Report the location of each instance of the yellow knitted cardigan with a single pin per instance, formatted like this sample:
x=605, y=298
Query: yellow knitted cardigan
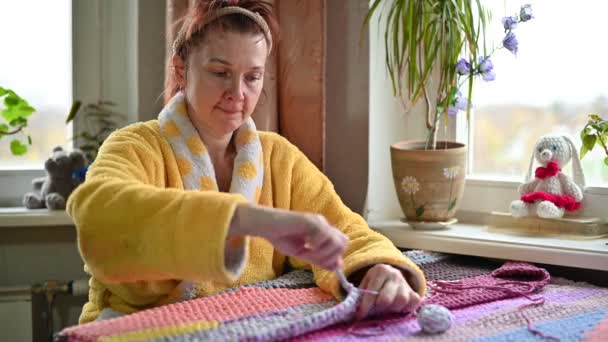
x=140, y=233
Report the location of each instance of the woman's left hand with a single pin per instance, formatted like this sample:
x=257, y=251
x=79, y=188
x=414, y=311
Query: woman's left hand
x=394, y=293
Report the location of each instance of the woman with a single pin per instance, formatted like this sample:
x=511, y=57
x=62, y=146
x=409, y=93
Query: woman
x=199, y=201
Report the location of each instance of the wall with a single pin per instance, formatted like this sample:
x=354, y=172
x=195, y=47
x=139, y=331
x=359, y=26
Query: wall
x=347, y=100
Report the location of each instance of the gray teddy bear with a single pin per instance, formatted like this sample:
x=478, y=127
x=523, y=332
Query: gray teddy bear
x=53, y=190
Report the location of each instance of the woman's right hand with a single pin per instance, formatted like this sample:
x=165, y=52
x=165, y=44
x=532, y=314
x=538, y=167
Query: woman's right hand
x=308, y=237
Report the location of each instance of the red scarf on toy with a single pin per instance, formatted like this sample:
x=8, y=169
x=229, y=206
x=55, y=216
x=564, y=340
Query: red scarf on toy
x=551, y=170
x=561, y=201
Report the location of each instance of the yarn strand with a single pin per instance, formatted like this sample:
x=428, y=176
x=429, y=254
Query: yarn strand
x=531, y=328
x=348, y=286
x=457, y=287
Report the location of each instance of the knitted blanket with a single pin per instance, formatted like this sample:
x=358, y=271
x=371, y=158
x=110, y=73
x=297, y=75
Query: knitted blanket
x=291, y=307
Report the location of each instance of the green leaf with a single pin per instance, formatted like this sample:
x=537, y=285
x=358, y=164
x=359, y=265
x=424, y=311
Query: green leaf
x=586, y=131
x=452, y=95
x=89, y=147
x=11, y=100
x=583, y=152
x=29, y=140
x=421, y=37
x=99, y=115
x=3, y=91
x=87, y=135
x=17, y=148
x=594, y=118
x=452, y=205
x=73, y=111
x=3, y=128
x=371, y=12
x=597, y=127
x=20, y=111
x=606, y=161
x=18, y=122
x=420, y=211
x=589, y=141
x=107, y=123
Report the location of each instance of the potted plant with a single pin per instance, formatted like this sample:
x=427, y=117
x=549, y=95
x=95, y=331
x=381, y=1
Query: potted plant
x=595, y=133
x=100, y=119
x=16, y=113
x=435, y=49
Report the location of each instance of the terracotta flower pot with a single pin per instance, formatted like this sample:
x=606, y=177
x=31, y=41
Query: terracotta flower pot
x=429, y=183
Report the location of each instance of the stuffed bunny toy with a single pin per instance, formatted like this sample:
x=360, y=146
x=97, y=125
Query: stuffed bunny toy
x=551, y=193
x=53, y=190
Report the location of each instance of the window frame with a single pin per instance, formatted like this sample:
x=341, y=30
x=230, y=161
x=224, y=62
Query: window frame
x=505, y=191
x=17, y=181
x=388, y=124
x=118, y=54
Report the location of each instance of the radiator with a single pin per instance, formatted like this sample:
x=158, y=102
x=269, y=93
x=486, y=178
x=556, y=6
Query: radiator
x=26, y=312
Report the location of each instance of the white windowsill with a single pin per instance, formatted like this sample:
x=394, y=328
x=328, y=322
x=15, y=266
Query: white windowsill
x=477, y=240
x=22, y=217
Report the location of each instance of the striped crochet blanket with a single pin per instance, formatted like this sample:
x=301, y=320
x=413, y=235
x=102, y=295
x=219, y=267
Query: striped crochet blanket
x=291, y=307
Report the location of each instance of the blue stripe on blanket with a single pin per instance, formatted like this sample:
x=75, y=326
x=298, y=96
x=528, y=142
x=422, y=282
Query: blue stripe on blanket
x=566, y=329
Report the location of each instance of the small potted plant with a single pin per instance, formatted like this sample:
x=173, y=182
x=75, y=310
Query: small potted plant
x=16, y=113
x=595, y=133
x=435, y=50
x=100, y=119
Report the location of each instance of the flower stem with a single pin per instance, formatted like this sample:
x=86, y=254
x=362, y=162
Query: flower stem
x=493, y=50
x=599, y=137
x=431, y=140
x=464, y=80
x=19, y=129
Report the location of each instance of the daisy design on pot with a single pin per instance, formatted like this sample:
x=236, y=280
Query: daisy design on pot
x=451, y=173
x=411, y=186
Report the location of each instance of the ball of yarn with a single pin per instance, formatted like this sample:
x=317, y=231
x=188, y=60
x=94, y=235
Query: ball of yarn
x=434, y=319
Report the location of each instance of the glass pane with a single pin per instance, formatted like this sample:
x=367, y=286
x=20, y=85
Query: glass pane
x=36, y=62
x=556, y=80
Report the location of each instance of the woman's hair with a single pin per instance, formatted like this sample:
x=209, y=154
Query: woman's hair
x=197, y=22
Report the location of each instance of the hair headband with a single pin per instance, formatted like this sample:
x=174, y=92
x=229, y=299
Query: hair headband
x=180, y=39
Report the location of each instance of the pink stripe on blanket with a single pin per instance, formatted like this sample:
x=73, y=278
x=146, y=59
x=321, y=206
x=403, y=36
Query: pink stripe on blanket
x=509, y=281
x=405, y=326
x=215, y=308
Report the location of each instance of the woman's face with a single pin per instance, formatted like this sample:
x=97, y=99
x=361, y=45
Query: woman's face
x=223, y=80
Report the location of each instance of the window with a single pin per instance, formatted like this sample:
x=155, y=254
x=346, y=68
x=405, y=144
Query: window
x=36, y=62
x=556, y=80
